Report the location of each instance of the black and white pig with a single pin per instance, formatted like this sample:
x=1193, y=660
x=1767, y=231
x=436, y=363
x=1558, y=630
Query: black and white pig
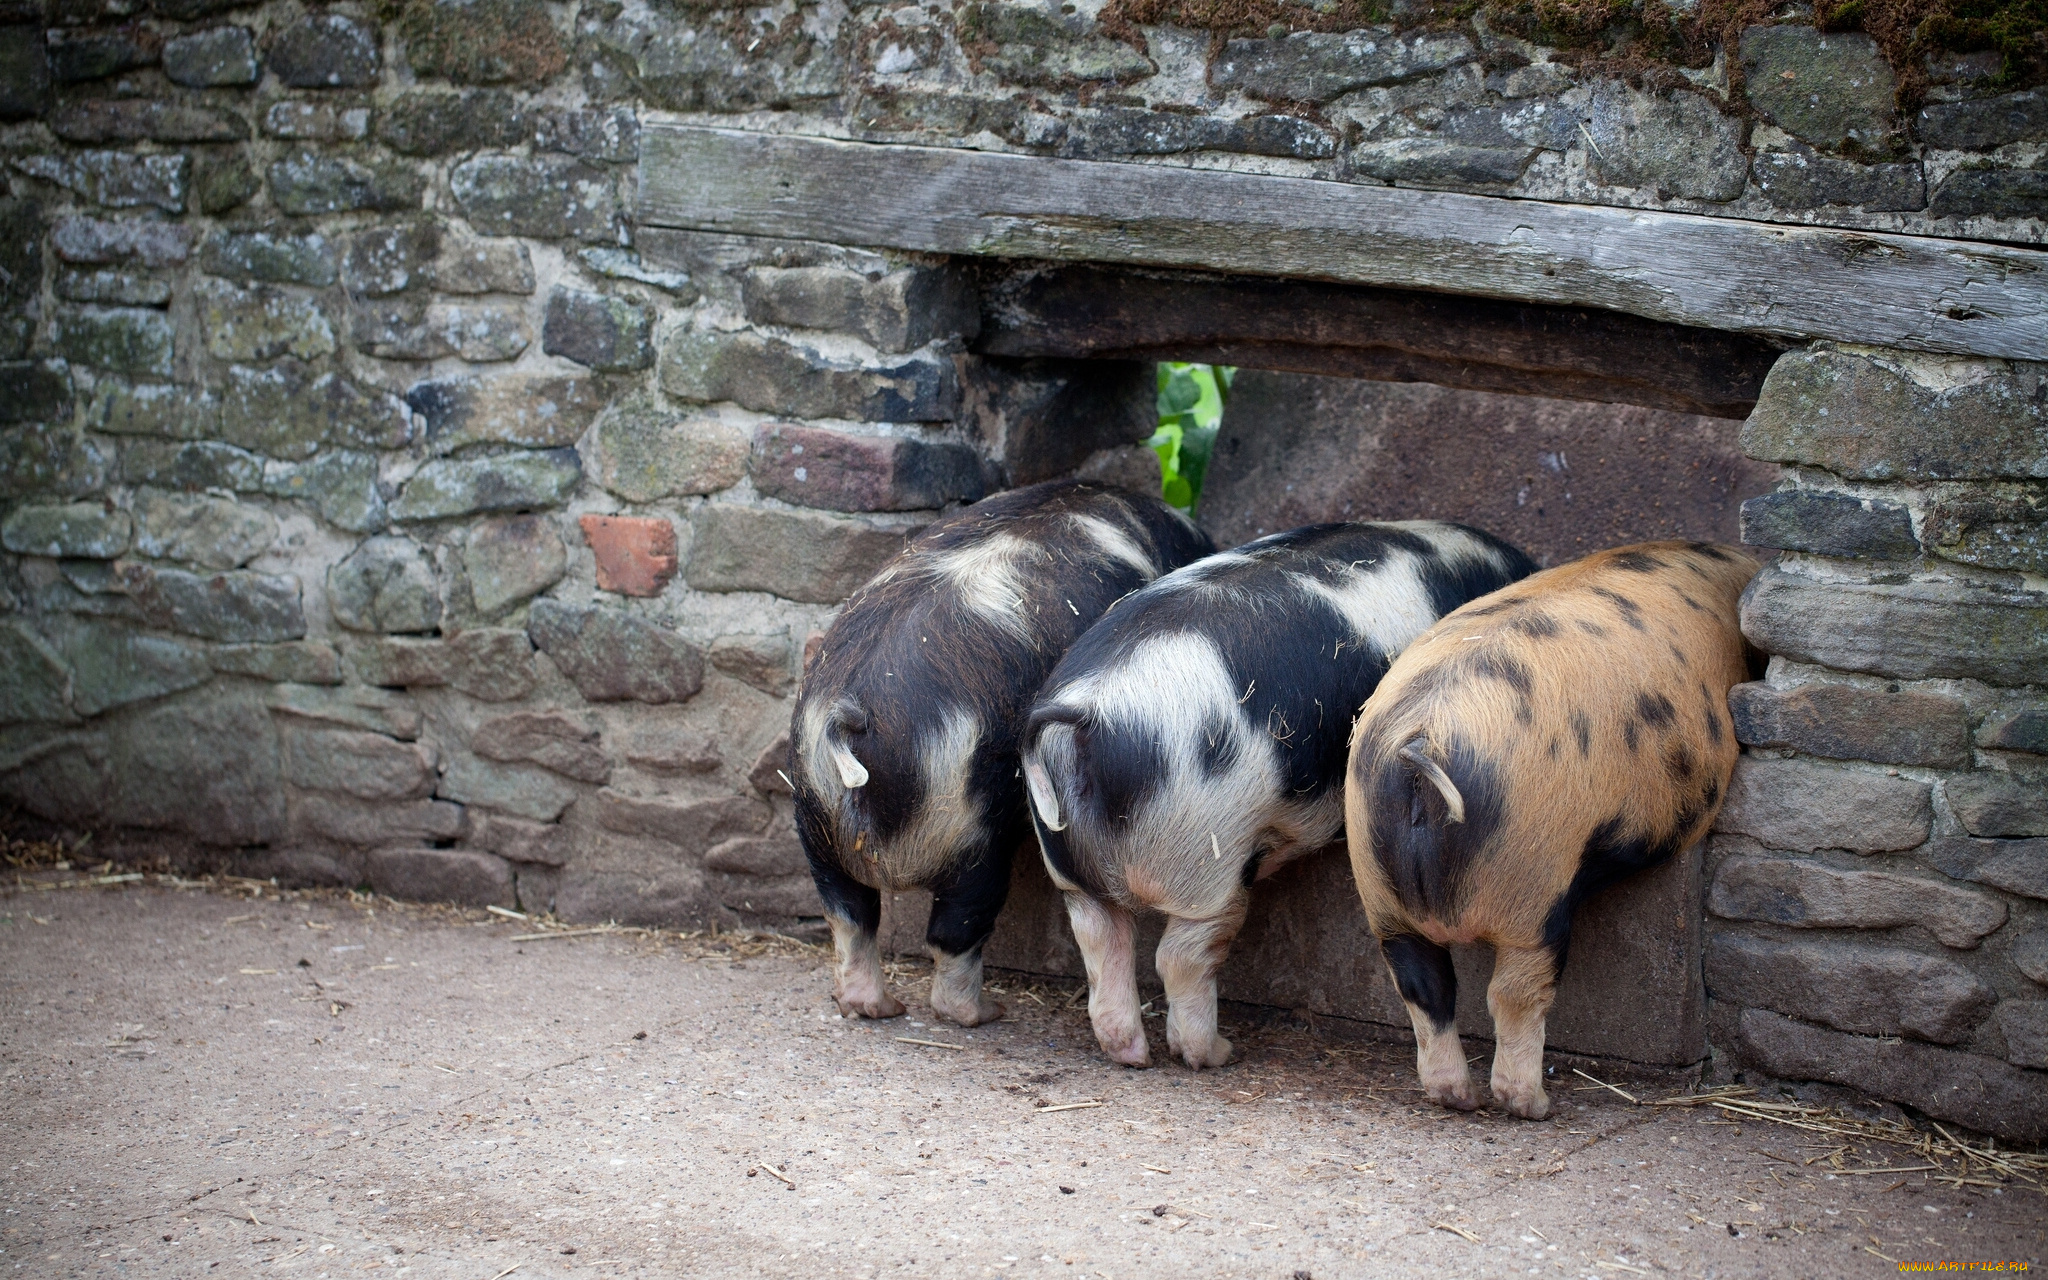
x=1194, y=740
x=903, y=744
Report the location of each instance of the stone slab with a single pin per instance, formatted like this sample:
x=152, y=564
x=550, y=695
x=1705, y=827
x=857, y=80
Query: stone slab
x=1830, y=524
x=1557, y=478
x=1889, y=415
x=841, y=471
x=1850, y=722
x=613, y=656
x=441, y=875
x=380, y=711
x=645, y=451
x=510, y=558
x=1907, y=630
x=516, y=789
x=237, y=799
x=346, y=820
x=369, y=709
x=690, y=827
x=1808, y=894
x=1999, y=804
x=1797, y=804
x=2016, y=866
x=1860, y=987
x=900, y=311
x=547, y=844
x=297, y=662
x=351, y=762
x=560, y=743
x=802, y=556
x=1632, y=987
x=1983, y=1093
x=237, y=607
x=761, y=661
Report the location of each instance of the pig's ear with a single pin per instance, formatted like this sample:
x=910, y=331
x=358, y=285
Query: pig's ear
x=1044, y=800
x=1414, y=754
x=852, y=773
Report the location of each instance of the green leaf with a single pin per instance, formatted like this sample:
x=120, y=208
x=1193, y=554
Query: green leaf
x=1166, y=443
x=1181, y=393
x=1208, y=406
x=1190, y=405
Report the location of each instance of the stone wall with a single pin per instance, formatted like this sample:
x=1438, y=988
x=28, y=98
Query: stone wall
x=381, y=503
x=1878, y=885
x=378, y=507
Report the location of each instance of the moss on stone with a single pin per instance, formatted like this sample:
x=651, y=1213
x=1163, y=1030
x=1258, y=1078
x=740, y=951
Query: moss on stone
x=1644, y=40
x=481, y=41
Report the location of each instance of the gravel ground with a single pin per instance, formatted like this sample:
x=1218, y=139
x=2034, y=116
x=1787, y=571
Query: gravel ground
x=201, y=1084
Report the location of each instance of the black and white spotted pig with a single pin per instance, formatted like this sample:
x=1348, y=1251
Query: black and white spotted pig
x=1530, y=750
x=1195, y=739
x=903, y=744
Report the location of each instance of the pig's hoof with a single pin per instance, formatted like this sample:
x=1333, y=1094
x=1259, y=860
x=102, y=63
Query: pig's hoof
x=1530, y=1103
x=1132, y=1051
x=1212, y=1051
x=970, y=1015
x=1214, y=1054
x=1459, y=1096
x=883, y=1005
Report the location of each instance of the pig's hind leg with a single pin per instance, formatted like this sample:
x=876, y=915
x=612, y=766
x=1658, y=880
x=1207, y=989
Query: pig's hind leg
x=854, y=911
x=1108, y=939
x=1429, y=987
x=963, y=915
x=1524, y=984
x=1189, y=954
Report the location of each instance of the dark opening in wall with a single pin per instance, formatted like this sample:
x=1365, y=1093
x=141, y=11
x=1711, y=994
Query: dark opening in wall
x=1562, y=429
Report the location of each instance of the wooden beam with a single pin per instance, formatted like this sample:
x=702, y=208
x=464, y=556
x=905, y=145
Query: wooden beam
x=1388, y=335
x=1794, y=283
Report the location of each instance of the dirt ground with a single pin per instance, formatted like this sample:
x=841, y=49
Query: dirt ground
x=205, y=1083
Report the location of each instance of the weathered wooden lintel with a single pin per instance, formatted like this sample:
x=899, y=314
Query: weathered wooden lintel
x=1784, y=282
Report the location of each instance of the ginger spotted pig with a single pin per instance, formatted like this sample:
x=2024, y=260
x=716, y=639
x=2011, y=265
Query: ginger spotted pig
x=1528, y=751
x=1194, y=740
x=903, y=743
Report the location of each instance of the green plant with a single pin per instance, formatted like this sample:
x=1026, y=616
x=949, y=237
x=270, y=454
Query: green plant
x=1191, y=399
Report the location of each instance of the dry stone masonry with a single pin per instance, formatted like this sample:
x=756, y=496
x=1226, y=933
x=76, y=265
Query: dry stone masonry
x=412, y=475
x=1880, y=868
